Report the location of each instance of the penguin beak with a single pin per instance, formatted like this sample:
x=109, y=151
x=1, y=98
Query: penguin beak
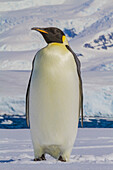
x=41, y=30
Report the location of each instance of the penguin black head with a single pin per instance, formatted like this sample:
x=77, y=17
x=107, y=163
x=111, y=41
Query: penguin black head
x=52, y=35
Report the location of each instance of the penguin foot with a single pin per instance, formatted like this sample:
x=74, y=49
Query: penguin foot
x=42, y=158
x=37, y=159
x=61, y=159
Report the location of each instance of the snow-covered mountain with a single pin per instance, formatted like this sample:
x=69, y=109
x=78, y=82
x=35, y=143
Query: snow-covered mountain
x=102, y=42
x=87, y=24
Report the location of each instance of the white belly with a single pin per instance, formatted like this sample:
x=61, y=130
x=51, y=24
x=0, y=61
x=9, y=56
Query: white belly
x=54, y=99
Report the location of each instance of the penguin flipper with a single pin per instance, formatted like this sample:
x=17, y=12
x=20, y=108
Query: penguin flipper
x=80, y=82
x=27, y=103
x=27, y=95
x=81, y=100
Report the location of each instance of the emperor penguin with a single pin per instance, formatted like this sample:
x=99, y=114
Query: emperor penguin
x=54, y=97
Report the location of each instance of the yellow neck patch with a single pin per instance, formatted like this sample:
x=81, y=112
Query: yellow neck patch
x=55, y=43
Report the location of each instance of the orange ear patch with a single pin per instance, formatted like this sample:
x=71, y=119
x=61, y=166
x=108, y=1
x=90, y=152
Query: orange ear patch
x=63, y=38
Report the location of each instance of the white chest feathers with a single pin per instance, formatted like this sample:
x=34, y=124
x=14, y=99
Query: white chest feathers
x=54, y=100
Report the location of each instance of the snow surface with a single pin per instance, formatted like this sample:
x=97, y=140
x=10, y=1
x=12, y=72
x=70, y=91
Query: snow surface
x=92, y=150
x=83, y=22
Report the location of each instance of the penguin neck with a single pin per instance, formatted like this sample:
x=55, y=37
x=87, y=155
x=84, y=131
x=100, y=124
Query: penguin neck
x=55, y=43
x=65, y=42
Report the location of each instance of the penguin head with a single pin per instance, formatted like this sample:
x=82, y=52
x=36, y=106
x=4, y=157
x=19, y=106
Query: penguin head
x=52, y=35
